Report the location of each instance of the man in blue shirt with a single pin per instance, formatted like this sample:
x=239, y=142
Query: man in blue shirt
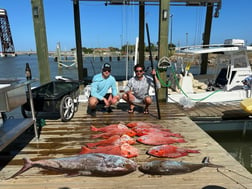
x=100, y=86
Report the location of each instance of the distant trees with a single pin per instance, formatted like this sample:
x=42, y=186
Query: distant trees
x=125, y=48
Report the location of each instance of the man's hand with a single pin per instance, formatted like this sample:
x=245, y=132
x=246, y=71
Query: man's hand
x=153, y=72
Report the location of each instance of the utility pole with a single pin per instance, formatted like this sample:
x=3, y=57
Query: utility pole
x=41, y=40
x=141, y=33
x=206, y=37
x=78, y=39
x=164, y=12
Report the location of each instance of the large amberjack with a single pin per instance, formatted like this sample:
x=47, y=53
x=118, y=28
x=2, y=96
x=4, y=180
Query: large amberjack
x=96, y=164
x=169, y=167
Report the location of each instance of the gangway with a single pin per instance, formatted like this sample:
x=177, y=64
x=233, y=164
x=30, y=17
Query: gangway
x=64, y=62
x=5, y=35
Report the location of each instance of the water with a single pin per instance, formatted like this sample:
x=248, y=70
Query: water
x=15, y=66
x=238, y=145
x=235, y=136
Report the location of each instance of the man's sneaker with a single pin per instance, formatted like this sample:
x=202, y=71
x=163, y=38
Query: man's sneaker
x=109, y=110
x=91, y=112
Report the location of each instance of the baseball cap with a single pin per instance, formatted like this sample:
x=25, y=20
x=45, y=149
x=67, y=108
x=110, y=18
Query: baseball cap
x=106, y=66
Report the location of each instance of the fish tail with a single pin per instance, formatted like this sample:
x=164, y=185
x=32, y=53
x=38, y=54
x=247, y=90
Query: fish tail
x=97, y=135
x=93, y=128
x=27, y=165
x=207, y=163
x=177, y=135
x=192, y=151
x=181, y=140
x=84, y=150
x=90, y=145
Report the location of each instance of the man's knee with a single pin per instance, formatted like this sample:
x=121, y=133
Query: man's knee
x=92, y=101
x=125, y=96
x=148, y=100
x=115, y=99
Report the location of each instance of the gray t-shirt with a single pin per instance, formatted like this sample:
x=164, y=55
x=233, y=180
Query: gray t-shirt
x=140, y=88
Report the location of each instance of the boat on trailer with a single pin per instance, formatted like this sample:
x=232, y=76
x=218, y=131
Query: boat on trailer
x=234, y=68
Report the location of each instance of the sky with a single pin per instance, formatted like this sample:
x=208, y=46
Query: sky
x=113, y=26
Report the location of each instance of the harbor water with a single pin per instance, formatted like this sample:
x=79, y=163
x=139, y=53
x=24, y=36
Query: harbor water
x=237, y=143
x=235, y=136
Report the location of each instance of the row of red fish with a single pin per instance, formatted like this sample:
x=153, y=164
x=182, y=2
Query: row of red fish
x=118, y=140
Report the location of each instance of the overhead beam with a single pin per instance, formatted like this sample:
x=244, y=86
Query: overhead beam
x=172, y=2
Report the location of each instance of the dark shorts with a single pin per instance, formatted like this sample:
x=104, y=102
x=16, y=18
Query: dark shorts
x=102, y=101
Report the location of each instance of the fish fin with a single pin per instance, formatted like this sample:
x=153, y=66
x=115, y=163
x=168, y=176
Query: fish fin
x=74, y=174
x=205, y=160
x=27, y=165
x=207, y=163
x=93, y=128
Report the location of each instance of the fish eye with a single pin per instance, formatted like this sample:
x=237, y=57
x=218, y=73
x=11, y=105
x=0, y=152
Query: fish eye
x=146, y=167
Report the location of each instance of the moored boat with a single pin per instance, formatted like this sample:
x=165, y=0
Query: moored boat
x=233, y=68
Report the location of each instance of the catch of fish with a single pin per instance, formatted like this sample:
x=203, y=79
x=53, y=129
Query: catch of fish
x=109, y=156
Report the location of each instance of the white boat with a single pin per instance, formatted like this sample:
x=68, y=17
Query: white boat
x=234, y=67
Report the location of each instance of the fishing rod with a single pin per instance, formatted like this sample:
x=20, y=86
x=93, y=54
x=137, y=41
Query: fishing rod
x=154, y=80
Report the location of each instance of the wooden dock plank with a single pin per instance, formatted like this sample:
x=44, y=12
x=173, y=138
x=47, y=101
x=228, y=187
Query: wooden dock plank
x=59, y=139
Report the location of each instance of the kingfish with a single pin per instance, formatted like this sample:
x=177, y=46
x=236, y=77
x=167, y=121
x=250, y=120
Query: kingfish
x=96, y=164
x=169, y=167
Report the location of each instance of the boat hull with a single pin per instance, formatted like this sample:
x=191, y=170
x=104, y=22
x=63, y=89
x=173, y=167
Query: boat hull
x=211, y=96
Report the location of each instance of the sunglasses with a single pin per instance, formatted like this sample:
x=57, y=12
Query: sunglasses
x=139, y=71
x=106, y=70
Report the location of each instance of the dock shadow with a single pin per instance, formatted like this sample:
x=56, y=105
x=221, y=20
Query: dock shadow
x=10, y=151
x=234, y=115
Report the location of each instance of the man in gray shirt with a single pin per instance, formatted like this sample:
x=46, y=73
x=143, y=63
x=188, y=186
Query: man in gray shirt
x=137, y=89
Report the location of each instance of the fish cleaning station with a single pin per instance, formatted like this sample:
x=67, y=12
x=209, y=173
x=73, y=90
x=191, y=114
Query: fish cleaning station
x=197, y=160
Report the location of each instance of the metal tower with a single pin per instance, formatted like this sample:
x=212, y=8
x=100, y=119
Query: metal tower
x=5, y=35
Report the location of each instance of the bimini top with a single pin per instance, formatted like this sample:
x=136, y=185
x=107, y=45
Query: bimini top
x=228, y=46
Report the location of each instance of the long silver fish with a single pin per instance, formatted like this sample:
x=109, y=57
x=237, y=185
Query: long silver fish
x=169, y=167
x=95, y=164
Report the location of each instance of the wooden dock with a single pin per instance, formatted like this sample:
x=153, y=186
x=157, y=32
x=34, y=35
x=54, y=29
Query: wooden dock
x=59, y=139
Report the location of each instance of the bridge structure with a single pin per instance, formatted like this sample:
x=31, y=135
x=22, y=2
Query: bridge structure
x=5, y=35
